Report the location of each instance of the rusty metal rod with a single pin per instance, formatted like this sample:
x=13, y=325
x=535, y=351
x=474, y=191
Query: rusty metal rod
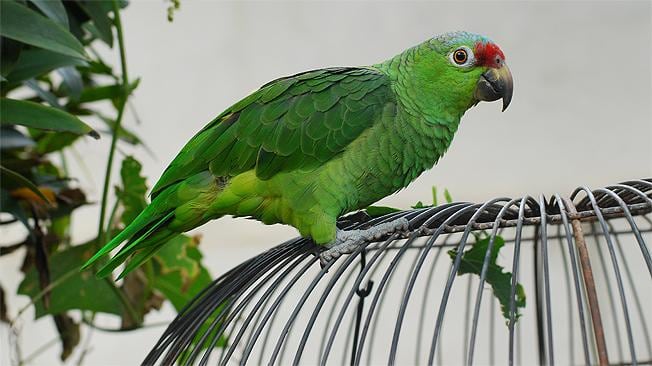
x=589, y=284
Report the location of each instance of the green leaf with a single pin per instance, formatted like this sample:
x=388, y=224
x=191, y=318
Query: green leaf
x=72, y=82
x=11, y=206
x=36, y=62
x=103, y=92
x=47, y=96
x=10, y=138
x=98, y=12
x=434, y=196
x=376, y=211
x=99, y=93
x=25, y=25
x=11, y=177
x=54, y=10
x=134, y=189
x=123, y=134
x=82, y=290
x=447, y=196
x=9, y=56
x=99, y=67
x=54, y=141
x=419, y=205
x=30, y=114
x=178, y=272
x=499, y=280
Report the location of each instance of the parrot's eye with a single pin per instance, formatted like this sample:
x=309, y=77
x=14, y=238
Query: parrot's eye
x=462, y=56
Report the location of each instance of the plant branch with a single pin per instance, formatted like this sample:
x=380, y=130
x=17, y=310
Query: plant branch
x=118, y=122
x=87, y=342
x=8, y=249
x=109, y=225
x=39, y=350
x=109, y=165
x=91, y=324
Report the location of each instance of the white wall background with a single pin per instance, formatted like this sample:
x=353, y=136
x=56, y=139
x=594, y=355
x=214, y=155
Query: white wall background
x=581, y=113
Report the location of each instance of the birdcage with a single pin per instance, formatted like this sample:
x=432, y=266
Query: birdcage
x=582, y=263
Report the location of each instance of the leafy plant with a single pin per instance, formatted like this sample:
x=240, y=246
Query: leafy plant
x=52, y=83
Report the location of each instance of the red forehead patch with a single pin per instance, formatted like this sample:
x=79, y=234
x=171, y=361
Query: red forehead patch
x=489, y=54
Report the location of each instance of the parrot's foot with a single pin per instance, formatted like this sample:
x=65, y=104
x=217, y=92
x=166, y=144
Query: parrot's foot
x=347, y=241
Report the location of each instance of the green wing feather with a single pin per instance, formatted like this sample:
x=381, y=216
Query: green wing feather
x=296, y=122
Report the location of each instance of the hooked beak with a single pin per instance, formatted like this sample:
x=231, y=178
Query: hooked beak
x=494, y=84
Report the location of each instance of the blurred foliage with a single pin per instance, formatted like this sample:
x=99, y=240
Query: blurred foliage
x=172, y=8
x=55, y=91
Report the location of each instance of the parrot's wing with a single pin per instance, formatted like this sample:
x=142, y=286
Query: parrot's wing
x=296, y=122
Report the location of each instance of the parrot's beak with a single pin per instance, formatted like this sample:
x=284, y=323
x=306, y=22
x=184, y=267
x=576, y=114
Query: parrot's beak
x=494, y=84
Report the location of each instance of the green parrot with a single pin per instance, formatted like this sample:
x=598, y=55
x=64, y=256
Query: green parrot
x=304, y=149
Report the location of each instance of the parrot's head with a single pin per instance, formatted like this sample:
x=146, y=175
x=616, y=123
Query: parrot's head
x=457, y=70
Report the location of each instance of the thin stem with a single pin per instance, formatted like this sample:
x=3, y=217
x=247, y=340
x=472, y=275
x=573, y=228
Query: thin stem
x=14, y=340
x=66, y=276
x=64, y=164
x=118, y=121
x=122, y=330
x=8, y=249
x=109, y=226
x=125, y=301
x=84, y=168
x=39, y=350
x=87, y=342
x=114, y=139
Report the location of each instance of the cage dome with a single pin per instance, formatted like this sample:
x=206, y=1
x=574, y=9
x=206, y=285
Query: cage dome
x=582, y=262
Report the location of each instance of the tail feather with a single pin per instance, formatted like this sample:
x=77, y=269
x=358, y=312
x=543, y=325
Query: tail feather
x=178, y=208
x=140, y=257
x=125, y=234
x=137, y=244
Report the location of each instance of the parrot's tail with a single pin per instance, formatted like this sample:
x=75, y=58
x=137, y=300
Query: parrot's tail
x=179, y=208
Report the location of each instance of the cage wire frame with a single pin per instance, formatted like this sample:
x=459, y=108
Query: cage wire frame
x=281, y=307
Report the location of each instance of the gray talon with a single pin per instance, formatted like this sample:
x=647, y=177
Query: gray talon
x=346, y=242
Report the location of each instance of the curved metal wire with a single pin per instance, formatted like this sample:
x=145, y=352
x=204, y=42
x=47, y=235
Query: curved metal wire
x=281, y=302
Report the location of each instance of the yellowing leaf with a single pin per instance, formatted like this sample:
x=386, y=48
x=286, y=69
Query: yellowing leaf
x=133, y=190
x=11, y=177
x=178, y=272
x=26, y=194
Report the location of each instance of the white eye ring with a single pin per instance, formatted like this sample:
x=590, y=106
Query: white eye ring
x=462, y=57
